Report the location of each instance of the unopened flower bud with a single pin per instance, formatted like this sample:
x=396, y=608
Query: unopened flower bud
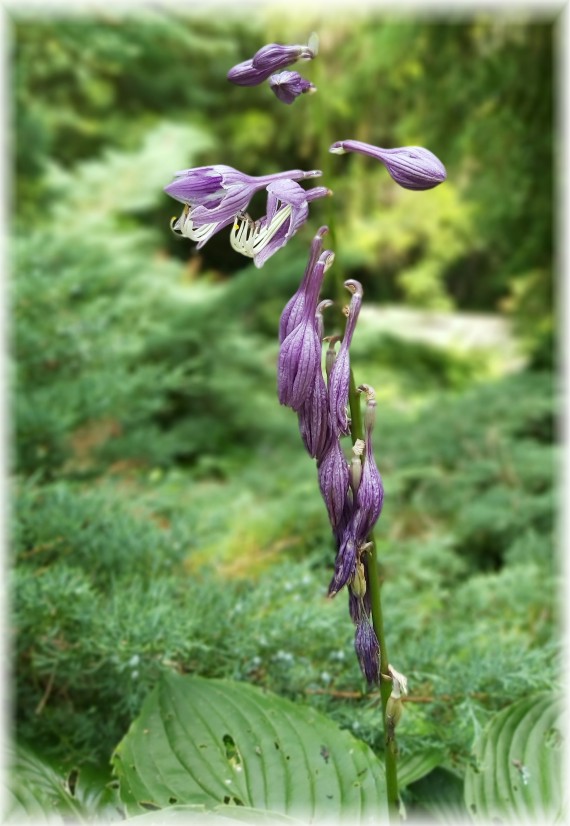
x=330, y=355
x=367, y=651
x=339, y=379
x=370, y=410
x=287, y=86
x=323, y=305
x=413, y=167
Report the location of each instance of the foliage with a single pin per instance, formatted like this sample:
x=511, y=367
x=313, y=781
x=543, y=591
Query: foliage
x=214, y=742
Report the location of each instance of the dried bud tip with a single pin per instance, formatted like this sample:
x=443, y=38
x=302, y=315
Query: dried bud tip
x=313, y=43
x=321, y=232
x=326, y=302
x=354, y=287
x=399, y=683
x=327, y=258
x=370, y=392
x=358, y=447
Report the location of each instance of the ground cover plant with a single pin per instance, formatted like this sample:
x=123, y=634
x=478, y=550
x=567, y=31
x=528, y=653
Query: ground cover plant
x=171, y=550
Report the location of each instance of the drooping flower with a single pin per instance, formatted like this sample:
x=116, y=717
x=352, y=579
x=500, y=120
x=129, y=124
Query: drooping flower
x=339, y=378
x=293, y=311
x=287, y=211
x=413, y=167
x=287, y=86
x=300, y=351
x=270, y=59
x=214, y=195
x=367, y=651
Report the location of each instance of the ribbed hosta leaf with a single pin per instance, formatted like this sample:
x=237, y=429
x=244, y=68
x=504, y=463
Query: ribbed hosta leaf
x=215, y=742
x=220, y=816
x=518, y=773
x=415, y=766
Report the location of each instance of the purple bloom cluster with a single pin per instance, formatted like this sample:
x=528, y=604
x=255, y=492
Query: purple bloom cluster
x=216, y=196
x=286, y=86
x=353, y=494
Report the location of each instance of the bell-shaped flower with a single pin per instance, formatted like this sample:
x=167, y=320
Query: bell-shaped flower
x=332, y=472
x=270, y=59
x=413, y=167
x=339, y=378
x=368, y=651
x=287, y=211
x=287, y=86
x=214, y=195
x=369, y=496
x=293, y=311
x=300, y=351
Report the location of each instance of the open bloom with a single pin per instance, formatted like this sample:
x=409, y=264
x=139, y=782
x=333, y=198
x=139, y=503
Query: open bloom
x=287, y=211
x=413, y=167
x=287, y=86
x=270, y=59
x=214, y=195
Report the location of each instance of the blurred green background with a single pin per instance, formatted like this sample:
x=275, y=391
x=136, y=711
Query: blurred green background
x=164, y=513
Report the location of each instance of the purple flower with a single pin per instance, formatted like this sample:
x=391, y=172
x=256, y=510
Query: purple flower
x=287, y=86
x=314, y=416
x=367, y=651
x=287, y=211
x=339, y=378
x=413, y=167
x=267, y=60
x=333, y=481
x=293, y=311
x=300, y=352
x=214, y=195
x=345, y=565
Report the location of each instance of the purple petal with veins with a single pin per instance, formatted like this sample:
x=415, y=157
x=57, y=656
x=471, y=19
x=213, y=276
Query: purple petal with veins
x=367, y=651
x=345, y=565
x=332, y=472
x=412, y=167
x=293, y=310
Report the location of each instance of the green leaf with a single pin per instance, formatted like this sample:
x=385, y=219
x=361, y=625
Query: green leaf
x=416, y=766
x=215, y=742
x=36, y=792
x=220, y=816
x=518, y=764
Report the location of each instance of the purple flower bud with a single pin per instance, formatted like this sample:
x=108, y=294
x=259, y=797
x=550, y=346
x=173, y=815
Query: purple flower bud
x=345, y=565
x=339, y=379
x=370, y=494
x=413, y=167
x=300, y=352
x=287, y=86
x=314, y=421
x=367, y=651
x=287, y=211
x=214, y=195
x=293, y=310
x=359, y=607
x=320, y=321
x=333, y=481
x=267, y=60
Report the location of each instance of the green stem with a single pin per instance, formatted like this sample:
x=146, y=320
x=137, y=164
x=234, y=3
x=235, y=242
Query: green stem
x=390, y=757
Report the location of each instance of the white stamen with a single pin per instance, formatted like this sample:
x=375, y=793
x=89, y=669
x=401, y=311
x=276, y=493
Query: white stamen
x=249, y=237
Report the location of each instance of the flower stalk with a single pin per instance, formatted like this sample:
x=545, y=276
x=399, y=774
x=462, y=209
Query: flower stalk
x=371, y=562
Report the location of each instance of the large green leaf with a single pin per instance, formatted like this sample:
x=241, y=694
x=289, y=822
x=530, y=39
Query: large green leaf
x=518, y=773
x=220, y=816
x=215, y=742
